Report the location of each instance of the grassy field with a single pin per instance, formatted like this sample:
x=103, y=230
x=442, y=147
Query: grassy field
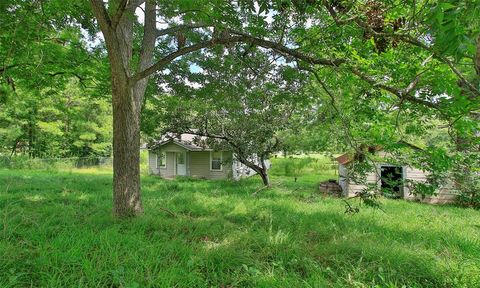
x=56, y=229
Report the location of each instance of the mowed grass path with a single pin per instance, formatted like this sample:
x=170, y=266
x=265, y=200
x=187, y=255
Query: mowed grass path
x=56, y=230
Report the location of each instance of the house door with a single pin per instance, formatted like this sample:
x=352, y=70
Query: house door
x=181, y=164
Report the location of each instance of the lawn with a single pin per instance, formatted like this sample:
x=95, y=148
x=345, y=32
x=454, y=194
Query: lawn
x=56, y=229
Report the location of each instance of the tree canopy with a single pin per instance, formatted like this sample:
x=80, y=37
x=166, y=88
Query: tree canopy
x=384, y=70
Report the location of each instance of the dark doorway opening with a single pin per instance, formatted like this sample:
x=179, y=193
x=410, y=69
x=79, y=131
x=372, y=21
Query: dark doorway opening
x=392, y=181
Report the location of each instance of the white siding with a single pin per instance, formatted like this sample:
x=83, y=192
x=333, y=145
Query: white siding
x=240, y=170
x=168, y=171
x=343, y=179
x=354, y=188
x=200, y=165
x=445, y=194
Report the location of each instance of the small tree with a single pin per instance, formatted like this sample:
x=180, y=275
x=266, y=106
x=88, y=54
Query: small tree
x=239, y=104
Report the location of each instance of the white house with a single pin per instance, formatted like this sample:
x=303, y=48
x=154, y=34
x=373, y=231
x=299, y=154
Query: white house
x=179, y=155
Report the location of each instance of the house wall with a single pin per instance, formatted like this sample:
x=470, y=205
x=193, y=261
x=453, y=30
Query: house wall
x=168, y=171
x=200, y=165
x=152, y=162
x=172, y=147
x=350, y=188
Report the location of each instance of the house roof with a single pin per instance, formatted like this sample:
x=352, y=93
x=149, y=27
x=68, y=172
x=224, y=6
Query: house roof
x=347, y=157
x=191, y=142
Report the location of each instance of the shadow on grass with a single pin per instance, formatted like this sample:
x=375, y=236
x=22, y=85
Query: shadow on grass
x=59, y=228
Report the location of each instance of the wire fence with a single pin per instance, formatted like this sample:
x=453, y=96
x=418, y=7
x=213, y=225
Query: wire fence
x=23, y=162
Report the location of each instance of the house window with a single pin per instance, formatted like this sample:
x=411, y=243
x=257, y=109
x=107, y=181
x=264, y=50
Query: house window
x=216, y=161
x=162, y=160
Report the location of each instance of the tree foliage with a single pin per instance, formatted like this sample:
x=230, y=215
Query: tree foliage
x=383, y=71
x=242, y=99
x=51, y=98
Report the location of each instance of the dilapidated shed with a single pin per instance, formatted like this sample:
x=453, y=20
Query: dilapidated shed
x=398, y=179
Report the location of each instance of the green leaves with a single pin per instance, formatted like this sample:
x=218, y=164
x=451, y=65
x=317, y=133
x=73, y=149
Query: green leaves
x=52, y=128
x=454, y=25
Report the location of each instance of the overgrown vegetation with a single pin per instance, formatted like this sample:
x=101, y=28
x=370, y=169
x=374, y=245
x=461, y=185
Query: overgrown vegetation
x=57, y=230
x=372, y=73
x=310, y=165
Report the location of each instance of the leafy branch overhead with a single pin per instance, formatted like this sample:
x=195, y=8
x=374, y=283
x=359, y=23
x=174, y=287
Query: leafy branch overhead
x=379, y=72
x=365, y=22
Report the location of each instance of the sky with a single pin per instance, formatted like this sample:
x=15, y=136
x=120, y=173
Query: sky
x=139, y=13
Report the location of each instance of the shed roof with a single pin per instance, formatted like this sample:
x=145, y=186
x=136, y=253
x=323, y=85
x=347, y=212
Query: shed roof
x=344, y=159
x=347, y=157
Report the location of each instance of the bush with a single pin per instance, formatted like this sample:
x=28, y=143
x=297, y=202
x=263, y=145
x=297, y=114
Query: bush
x=468, y=189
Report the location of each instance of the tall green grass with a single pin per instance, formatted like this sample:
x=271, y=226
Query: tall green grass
x=317, y=166
x=56, y=230
x=85, y=164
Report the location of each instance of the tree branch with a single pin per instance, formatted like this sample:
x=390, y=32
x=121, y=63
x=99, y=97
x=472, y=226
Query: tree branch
x=173, y=30
x=236, y=38
x=160, y=64
x=5, y=68
x=288, y=51
x=400, y=93
x=101, y=14
x=147, y=47
x=335, y=17
x=240, y=155
x=413, y=41
x=477, y=57
x=119, y=13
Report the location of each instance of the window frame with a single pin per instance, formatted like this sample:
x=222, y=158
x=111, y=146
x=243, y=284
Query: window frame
x=221, y=161
x=160, y=154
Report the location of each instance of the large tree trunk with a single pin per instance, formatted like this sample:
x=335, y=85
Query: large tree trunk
x=127, y=97
x=126, y=153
